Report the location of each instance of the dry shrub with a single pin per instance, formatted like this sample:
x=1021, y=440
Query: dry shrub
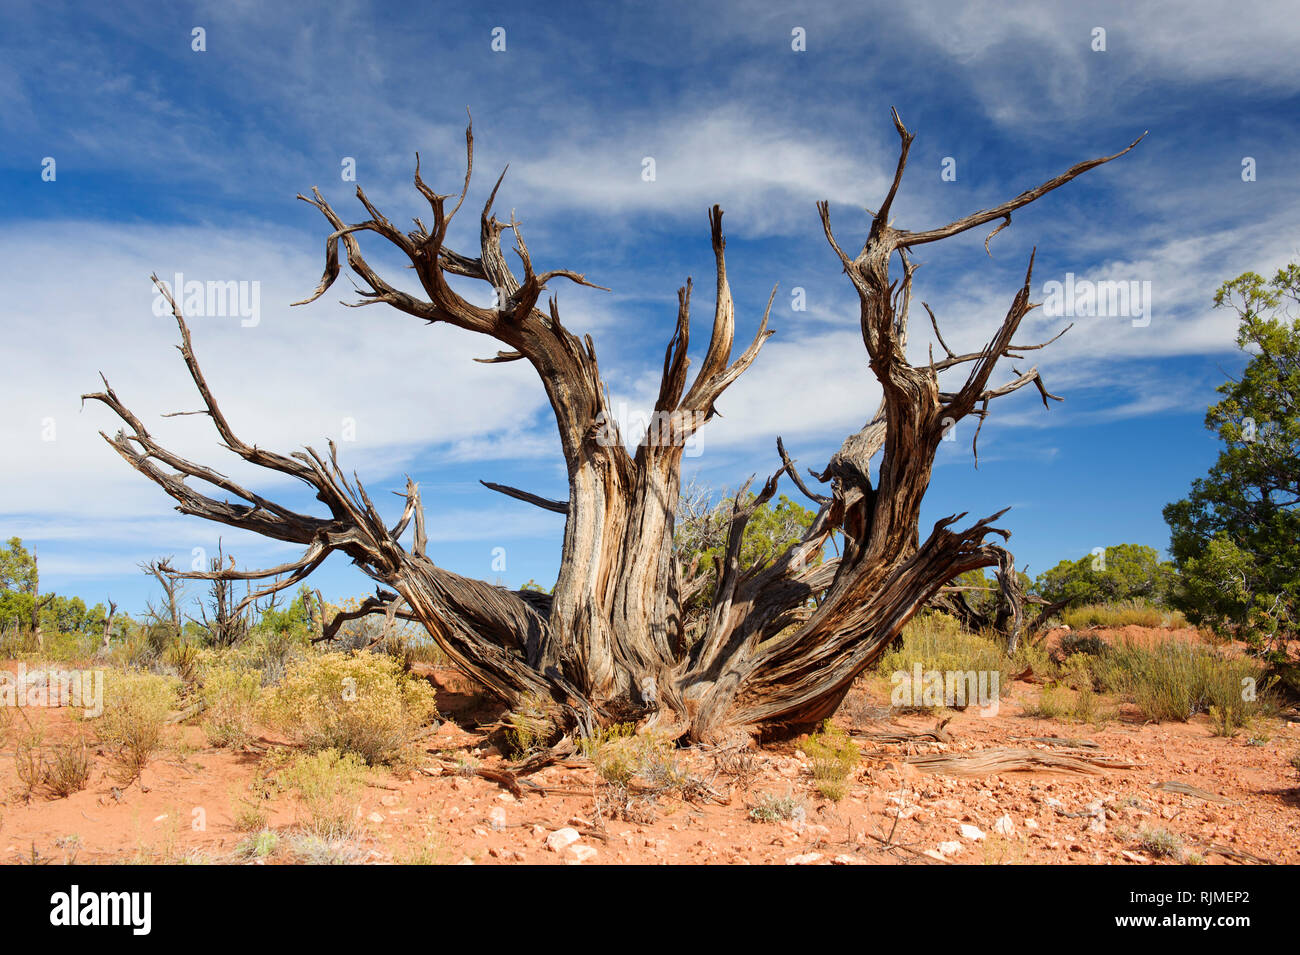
x=68, y=769
x=1122, y=613
x=1176, y=680
x=361, y=704
x=328, y=785
x=230, y=698
x=58, y=770
x=136, y=707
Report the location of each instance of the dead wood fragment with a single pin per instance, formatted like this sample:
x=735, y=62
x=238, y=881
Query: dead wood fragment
x=1073, y=742
x=1184, y=789
x=989, y=761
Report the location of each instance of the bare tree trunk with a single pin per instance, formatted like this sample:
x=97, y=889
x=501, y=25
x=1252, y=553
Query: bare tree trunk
x=38, y=604
x=784, y=641
x=108, y=623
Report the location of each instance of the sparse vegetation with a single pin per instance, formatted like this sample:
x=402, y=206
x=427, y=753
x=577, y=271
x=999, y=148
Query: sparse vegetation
x=328, y=786
x=136, y=707
x=1160, y=842
x=834, y=757
x=259, y=845
x=230, y=698
x=68, y=768
x=938, y=643
x=773, y=808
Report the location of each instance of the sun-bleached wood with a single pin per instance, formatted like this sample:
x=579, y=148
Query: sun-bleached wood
x=785, y=639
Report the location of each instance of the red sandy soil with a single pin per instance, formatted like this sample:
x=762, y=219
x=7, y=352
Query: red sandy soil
x=182, y=808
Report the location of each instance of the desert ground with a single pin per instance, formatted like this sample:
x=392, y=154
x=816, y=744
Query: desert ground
x=926, y=791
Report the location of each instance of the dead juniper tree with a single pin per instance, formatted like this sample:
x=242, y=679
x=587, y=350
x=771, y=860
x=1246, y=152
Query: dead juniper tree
x=783, y=641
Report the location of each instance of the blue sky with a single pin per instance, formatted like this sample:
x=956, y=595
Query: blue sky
x=172, y=160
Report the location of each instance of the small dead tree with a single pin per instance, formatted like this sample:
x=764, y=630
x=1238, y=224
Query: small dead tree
x=173, y=593
x=228, y=623
x=783, y=642
x=1004, y=608
x=108, y=624
x=38, y=603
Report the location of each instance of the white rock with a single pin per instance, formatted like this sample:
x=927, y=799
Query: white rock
x=376, y=817
x=1004, y=826
x=1031, y=823
x=808, y=858
x=497, y=817
x=562, y=838
x=948, y=848
x=578, y=854
x=971, y=832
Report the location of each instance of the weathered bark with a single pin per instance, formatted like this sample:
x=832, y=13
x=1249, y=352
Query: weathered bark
x=108, y=625
x=783, y=640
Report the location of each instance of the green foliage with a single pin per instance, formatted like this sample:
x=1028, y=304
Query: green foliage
x=19, y=585
x=1126, y=572
x=1236, y=536
x=295, y=618
x=834, y=757
x=701, y=534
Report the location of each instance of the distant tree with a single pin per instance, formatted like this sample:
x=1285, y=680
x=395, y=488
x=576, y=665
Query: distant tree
x=1124, y=572
x=701, y=539
x=297, y=618
x=1236, y=536
x=17, y=568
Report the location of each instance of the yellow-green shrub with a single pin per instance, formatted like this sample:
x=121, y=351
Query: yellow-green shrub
x=356, y=703
x=136, y=707
x=834, y=757
x=230, y=698
x=937, y=642
x=329, y=786
x=1122, y=613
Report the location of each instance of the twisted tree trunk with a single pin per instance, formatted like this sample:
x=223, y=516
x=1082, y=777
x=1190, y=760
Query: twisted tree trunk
x=785, y=640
